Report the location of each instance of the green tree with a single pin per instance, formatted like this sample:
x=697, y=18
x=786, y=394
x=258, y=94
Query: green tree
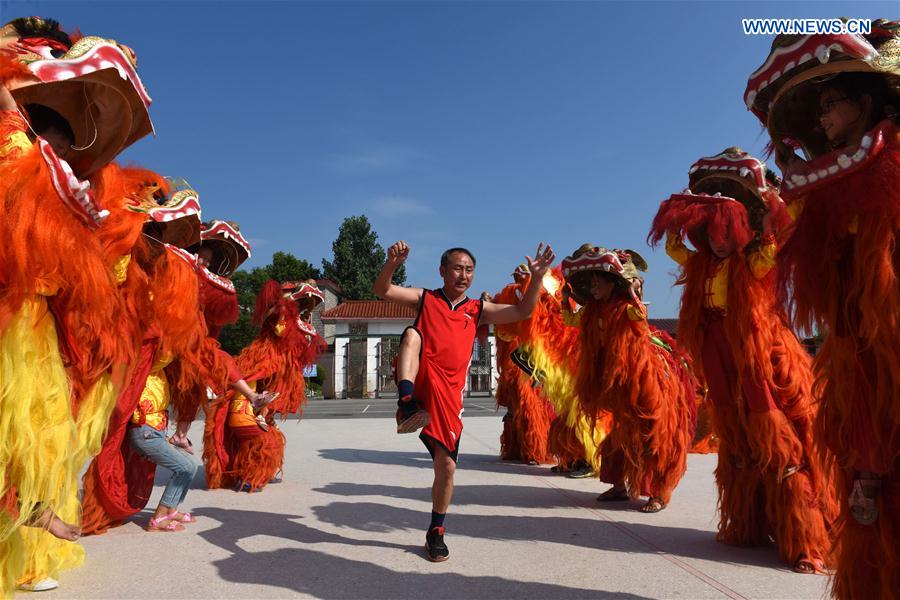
x=358, y=258
x=284, y=267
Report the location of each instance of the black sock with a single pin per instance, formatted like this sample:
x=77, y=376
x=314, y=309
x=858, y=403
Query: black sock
x=405, y=391
x=437, y=520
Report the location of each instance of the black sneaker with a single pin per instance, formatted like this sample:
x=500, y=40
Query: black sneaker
x=434, y=545
x=410, y=417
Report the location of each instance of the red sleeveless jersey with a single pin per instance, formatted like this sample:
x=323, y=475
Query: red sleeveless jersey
x=448, y=337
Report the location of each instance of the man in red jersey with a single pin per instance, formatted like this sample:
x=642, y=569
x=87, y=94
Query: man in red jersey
x=434, y=358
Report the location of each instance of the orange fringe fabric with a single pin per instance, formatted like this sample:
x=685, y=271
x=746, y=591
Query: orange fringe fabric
x=528, y=406
x=651, y=399
x=275, y=360
x=160, y=303
x=507, y=397
x=47, y=250
x=248, y=456
x=564, y=444
x=847, y=285
x=759, y=446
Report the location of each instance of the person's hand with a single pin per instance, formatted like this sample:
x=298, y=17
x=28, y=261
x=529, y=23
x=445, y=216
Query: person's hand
x=786, y=158
x=542, y=261
x=398, y=253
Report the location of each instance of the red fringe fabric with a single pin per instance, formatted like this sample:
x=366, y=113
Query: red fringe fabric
x=118, y=483
x=220, y=307
x=699, y=221
x=623, y=372
x=240, y=454
x=847, y=285
x=756, y=448
x=277, y=361
x=564, y=444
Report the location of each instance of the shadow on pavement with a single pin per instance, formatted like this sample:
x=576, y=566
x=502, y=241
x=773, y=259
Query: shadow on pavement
x=517, y=496
x=599, y=534
x=489, y=463
x=326, y=576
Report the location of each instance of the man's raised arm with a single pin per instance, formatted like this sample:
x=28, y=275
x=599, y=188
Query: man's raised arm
x=383, y=288
x=499, y=314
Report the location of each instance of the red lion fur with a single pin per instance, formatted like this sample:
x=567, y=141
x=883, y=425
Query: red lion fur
x=755, y=448
x=718, y=221
x=848, y=285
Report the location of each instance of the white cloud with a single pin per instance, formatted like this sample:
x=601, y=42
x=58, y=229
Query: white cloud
x=395, y=206
x=376, y=159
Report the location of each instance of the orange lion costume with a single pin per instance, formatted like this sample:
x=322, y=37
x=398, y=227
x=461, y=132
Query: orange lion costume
x=526, y=425
x=243, y=447
x=62, y=365
x=841, y=264
x=759, y=375
x=176, y=357
x=626, y=370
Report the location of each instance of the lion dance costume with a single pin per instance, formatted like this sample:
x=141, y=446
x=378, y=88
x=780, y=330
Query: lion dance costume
x=633, y=373
x=759, y=375
x=841, y=263
x=243, y=447
x=176, y=356
x=60, y=364
x=526, y=425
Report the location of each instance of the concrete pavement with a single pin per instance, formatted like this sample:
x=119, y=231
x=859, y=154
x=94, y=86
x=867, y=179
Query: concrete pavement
x=348, y=522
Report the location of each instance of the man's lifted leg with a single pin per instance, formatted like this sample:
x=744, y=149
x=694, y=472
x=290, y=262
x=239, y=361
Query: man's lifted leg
x=410, y=416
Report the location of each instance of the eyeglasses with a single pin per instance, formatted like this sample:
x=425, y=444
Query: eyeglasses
x=827, y=106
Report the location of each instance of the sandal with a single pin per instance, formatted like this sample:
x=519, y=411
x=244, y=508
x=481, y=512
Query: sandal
x=173, y=525
x=809, y=566
x=182, y=517
x=613, y=494
x=654, y=505
x=863, y=499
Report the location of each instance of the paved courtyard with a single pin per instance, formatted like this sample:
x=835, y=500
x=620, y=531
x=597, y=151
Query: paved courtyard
x=348, y=522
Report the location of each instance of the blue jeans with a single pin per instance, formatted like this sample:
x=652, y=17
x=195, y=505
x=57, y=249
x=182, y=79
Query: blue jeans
x=152, y=445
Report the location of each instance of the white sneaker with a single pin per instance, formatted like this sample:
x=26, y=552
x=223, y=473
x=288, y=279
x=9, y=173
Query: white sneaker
x=43, y=585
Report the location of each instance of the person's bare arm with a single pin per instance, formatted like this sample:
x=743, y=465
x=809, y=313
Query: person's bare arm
x=500, y=314
x=383, y=288
x=6, y=99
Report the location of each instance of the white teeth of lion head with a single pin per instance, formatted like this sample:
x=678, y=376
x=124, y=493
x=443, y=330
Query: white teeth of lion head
x=859, y=155
x=744, y=172
x=751, y=98
x=813, y=177
x=823, y=53
x=86, y=69
x=789, y=66
x=866, y=141
x=65, y=74
x=693, y=170
x=844, y=161
x=806, y=57
x=717, y=195
x=798, y=180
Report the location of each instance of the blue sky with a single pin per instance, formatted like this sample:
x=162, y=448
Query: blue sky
x=491, y=125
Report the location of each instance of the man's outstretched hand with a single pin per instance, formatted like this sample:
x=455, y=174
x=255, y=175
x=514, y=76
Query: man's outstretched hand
x=542, y=261
x=398, y=253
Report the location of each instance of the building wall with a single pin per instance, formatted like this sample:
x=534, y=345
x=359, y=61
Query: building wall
x=375, y=331
x=326, y=330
